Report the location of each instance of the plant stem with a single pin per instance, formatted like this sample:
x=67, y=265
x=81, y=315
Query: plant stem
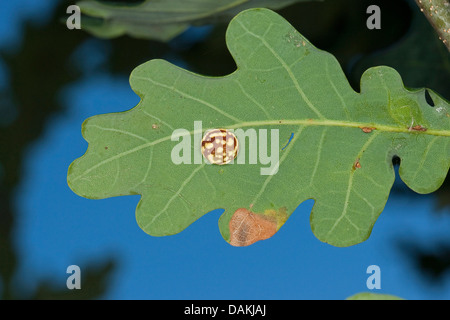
x=438, y=14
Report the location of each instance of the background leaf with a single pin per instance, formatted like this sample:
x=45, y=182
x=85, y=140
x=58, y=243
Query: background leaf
x=340, y=155
x=373, y=296
x=162, y=19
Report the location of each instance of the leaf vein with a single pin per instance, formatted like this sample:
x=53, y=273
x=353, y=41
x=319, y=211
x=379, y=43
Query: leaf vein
x=118, y=131
x=176, y=195
x=253, y=99
x=184, y=94
x=285, y=154
x=288, y=70
x=158, y=119
x=349, y=187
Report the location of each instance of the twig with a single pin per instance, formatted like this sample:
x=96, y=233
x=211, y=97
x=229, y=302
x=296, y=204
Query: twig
x=438, y=14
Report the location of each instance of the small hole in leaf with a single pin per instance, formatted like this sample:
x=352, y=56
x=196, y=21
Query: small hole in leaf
x=428, y=99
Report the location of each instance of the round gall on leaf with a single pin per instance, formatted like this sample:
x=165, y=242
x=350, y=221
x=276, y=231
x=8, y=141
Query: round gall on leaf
x=219, y=146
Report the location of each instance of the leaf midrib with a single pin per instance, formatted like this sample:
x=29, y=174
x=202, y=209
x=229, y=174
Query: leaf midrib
x=300, y=122
x=340, y=123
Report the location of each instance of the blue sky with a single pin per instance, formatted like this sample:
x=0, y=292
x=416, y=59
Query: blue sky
x=56, y=228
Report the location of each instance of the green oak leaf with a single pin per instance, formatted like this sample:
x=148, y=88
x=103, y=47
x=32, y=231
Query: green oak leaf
x=162, y=19
x=335, y=145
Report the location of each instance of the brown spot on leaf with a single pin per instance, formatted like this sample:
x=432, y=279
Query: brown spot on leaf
x=418, y=128
x=356, y=165
x=106, y=148
x=367, y=129
x=247, y=227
